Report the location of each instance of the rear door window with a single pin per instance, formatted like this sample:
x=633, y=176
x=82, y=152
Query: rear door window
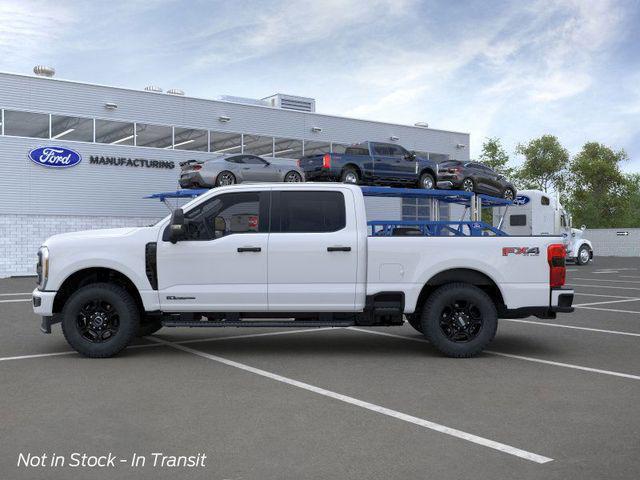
x=310, y=212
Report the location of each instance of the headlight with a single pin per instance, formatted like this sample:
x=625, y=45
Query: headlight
x=42, y=268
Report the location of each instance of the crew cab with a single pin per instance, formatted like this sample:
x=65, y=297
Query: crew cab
x=279, y=255
x=372, y=163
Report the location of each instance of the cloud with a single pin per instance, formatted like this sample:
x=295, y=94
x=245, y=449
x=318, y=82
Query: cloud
x=31, y=29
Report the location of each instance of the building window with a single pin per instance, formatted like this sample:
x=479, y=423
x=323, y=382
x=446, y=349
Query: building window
x=316, y=148
x=257, y=145
x=190, y=139
x=26, y=124
x=115, y=133
x=226, y=143
x=287, y=148
x=71, y=128
x=157, y=136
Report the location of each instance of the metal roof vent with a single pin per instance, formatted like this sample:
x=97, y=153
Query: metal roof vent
x=292, y=102
x=44, y=71
x=153, y=88
x=175, y=91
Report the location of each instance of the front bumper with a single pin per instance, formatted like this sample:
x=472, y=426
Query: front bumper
x=560, y=301
x=43, y=305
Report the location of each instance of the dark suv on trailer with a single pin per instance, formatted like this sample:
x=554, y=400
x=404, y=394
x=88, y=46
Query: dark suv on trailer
x=476, y=177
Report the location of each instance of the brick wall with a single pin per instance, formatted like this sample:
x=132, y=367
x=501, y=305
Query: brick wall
x=22, y=235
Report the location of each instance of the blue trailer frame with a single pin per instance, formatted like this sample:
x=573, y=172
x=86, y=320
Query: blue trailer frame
x=386, y=228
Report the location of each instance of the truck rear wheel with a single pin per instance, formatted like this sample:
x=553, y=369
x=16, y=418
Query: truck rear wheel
x=350, y=175
x=100, y=319
x=459, y=319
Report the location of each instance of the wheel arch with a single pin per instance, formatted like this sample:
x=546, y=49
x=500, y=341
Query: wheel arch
x=462, y=275
x=87, y=276
x=354, y=166
x=430, y=171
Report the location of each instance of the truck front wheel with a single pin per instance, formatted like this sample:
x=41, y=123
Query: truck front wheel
x=459, y=319
x=100, y=319
x=584, y=255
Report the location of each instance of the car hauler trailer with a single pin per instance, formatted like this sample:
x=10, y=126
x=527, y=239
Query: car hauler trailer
x=535, y=212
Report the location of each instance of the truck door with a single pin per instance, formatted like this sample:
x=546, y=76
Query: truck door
x=313, y=251
x=383, y=162
x=221, y=263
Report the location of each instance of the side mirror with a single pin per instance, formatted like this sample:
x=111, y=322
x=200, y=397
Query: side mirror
x=410, y=156
x=176, y=226
x=583, y=227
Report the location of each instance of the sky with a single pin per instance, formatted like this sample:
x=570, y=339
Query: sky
x=514, y=70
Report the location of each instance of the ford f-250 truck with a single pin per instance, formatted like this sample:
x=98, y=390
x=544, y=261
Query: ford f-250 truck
x=253, y=255
x=370, y=163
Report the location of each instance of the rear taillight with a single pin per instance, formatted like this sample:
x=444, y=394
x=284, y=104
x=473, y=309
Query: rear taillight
x=326, y=161
x=196, y=167
x=557, y=271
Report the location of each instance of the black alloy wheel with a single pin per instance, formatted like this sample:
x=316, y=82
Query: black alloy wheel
x=98, y=321
x=467, y=185
x=461, y=321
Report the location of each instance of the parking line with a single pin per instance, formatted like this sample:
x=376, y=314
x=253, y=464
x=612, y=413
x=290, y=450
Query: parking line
x=509, y=355
x=574, y=327
x=15, y=301
x=180, y=342
x=533, y=457
x=14, y=294
x=610, y=310
x=609, y=301
x=599, y=295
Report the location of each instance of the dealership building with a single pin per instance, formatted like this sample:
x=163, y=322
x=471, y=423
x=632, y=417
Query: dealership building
x=128, y=143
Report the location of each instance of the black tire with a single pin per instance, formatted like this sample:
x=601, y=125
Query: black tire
x=465, y=336
x=292, y=177
x=580, y=258
x=225, y=178
x=415, y=320
x=468, y=185
x=509, y=194
x=348, y=174
x=148, y=327
x=113, y=306
x=427, y=182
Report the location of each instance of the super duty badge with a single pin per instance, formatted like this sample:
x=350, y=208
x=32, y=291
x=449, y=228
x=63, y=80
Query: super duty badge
x=525, y=251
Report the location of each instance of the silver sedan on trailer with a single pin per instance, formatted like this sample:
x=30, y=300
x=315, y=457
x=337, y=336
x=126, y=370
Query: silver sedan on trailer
x=230, y=169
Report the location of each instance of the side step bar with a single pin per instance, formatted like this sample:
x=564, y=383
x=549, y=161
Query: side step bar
x=259, y=323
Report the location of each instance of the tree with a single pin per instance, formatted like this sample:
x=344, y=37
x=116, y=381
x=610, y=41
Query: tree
x=494, y=156
x=600, y=194
x=545, y=163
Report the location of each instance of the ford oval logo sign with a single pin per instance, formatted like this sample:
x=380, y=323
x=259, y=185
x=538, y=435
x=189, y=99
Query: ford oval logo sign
x=521, y=200
x=55, y=157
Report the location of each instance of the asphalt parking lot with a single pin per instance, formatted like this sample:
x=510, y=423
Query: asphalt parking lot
x=551, y=399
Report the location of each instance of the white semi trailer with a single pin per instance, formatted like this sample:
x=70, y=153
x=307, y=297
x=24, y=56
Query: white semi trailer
x=537, y=213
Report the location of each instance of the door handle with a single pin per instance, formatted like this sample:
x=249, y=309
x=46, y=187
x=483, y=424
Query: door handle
x=249, y=249
x=338, y=249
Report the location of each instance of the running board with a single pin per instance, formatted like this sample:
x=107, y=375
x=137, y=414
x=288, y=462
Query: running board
x=265, y=323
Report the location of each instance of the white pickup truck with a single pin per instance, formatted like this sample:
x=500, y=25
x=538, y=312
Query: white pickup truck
x=279, y=255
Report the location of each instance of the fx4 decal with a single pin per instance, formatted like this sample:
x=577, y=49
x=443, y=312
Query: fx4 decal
x=526, y=251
